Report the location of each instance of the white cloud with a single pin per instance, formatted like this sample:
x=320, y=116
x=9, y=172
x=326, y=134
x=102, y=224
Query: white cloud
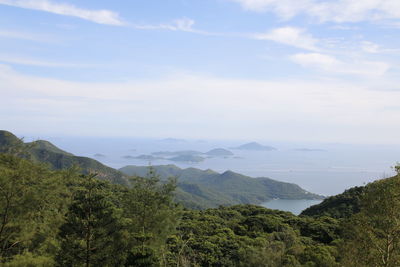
x=285, y=8
x=330, y=64
x=183, y=24
x=37, y=62
x=201, y=106
x=290, y=36
x=370, y=47
x=98, y=16
x=335, y=10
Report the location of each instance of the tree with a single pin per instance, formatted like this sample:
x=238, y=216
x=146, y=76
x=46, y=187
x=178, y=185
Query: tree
x=373, y=236
x=94, y=233
x=153, y=216
x=33, y=200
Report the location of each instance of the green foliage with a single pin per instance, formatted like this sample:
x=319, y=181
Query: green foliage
x=94, y=228
x=28, y=259
x=340, y=206
x=33, y=201
x=247, y=235
x=373, y=235
x=152, y=217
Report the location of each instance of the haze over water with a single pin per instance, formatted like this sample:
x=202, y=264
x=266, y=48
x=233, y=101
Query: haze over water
x=328, y=171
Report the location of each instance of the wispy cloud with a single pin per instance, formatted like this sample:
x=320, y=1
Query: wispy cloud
x=336, y=10
x=23, y=36
x=182, y=24
x=37, y=62
x=290, y=36
x=331, y=64
x=98, y=16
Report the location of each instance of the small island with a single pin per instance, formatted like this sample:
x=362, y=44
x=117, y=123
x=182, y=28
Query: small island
x=254, y=146
x=219, y=152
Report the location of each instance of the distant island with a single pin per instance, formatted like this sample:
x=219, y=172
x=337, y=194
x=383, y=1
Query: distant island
x=98, y=155
x=219, y=152
x=147, y=157
x=254, y=146
x=188, y=158
x=128, y=157
x=191, y=155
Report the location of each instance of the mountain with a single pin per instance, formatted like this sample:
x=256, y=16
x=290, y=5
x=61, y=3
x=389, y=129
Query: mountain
x=45, y=152
x=219, y=152
x=255, y=147
x=207, y=188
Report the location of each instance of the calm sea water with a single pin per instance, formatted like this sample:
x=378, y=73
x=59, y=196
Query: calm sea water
x=294, y=206
x=327, y=172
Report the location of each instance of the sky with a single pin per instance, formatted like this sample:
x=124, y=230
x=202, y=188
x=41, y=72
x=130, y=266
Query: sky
x=285, y=70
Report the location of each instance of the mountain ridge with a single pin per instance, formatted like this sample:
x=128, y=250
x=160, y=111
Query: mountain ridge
x=196, y=188
x=229, y=185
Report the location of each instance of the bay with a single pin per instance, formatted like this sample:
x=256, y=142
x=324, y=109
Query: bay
x=295, y=206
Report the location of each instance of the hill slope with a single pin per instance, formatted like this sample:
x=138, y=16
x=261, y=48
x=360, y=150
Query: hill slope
x=211, y=189
x=339, y=206
x=45, y=152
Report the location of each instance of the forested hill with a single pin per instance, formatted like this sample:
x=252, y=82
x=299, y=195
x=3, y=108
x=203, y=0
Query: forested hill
x=210, y=189
x=196, y=189
x=45, y=152
x=339, y=206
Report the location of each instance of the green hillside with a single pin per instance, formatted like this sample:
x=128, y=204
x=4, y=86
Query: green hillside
x=208, y=188
x=339, y=206
x=196, y=189
x=45, y=152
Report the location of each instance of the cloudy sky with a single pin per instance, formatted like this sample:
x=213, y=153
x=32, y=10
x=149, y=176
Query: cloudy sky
x=287, y=70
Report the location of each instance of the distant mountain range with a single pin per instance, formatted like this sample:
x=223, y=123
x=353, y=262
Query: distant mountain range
x=255, y=147
x=196, y=188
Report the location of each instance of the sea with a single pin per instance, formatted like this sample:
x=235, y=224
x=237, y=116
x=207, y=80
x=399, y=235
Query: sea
x=322, y=168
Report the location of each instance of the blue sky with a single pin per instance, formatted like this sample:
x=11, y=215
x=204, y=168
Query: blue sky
x=287, y=70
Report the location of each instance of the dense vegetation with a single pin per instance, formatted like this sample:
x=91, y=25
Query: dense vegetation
x=340, y=206
x=65, y=218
